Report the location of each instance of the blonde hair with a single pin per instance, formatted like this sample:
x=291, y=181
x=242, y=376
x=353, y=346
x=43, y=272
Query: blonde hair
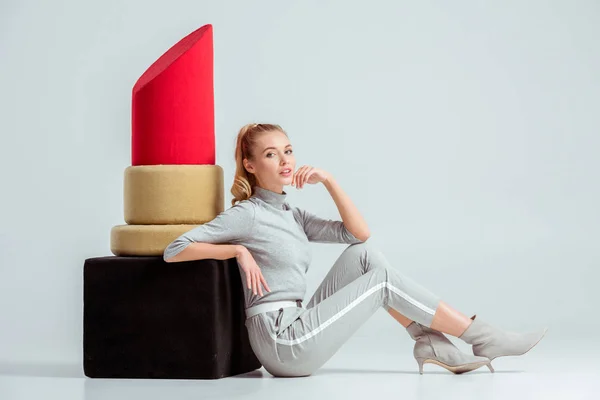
x=243, y=181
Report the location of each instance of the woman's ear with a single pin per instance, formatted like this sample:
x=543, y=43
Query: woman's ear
x=248, y=166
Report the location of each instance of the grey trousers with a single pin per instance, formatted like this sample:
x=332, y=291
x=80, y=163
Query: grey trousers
x=296, y=341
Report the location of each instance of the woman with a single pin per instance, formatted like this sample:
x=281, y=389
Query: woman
x=270, y=240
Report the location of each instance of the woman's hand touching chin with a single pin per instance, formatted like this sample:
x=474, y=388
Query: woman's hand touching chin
x=310, y=175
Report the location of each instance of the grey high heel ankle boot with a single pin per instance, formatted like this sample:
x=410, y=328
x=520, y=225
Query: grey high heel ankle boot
x=433, y=347
x=492, y=342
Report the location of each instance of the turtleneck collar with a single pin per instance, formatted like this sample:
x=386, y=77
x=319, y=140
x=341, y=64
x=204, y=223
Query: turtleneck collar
x=270, y=197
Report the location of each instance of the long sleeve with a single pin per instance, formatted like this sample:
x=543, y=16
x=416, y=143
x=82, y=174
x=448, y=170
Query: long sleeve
x=230, y=226
x=322, y=230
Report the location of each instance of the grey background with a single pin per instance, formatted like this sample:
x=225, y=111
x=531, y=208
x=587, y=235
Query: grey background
x=465, y=132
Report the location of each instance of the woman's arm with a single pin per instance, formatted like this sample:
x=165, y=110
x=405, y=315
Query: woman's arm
x=201, y=251
x=231, y=226
x=353, y=220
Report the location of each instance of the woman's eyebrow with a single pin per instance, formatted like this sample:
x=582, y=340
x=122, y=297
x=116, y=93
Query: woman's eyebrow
x=274, y=148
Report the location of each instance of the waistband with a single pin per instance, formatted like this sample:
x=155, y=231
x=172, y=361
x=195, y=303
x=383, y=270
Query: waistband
x=271, y=306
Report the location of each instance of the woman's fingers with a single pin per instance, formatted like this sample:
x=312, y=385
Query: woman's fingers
x=255, y=278
x=256, y=284
x=297, y=176
x=307, y=175
x=251, y=281
x=264, y=281
x=248, y=280
x=259, y=288
x=303, y=181
x=304, y=176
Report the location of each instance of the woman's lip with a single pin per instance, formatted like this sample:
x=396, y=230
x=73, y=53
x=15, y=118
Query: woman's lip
x=285, y=173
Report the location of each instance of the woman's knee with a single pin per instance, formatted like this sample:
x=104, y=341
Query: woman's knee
x=369, y=255
x=357, y=249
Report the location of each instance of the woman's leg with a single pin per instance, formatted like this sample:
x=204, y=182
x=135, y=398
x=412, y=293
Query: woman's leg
x=402, y=320
x=342, y=273
x=345, y=270
x=332, y=316
x=446, y=319
x=450, y=320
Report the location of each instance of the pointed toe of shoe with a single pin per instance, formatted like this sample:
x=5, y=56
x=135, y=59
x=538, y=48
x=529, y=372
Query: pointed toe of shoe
x=535, y=338
x=512, y=344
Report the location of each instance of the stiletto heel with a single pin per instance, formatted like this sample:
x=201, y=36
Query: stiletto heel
x=420, y=362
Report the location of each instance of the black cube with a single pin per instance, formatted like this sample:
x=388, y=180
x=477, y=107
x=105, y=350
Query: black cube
x=146, y=318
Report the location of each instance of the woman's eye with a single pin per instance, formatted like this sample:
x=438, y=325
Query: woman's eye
x=290, y=150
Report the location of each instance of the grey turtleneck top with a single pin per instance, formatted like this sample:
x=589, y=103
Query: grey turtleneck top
x=277, y=236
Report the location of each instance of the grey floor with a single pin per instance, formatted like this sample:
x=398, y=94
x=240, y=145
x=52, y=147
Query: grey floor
x=555, y=369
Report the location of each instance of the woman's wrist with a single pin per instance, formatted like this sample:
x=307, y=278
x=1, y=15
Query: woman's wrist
x=239, y=250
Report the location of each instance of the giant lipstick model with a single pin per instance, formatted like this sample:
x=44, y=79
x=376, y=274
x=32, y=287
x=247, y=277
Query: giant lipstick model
x=143, y=317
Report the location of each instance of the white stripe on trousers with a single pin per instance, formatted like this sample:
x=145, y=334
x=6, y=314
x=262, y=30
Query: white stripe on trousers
x=349, y=307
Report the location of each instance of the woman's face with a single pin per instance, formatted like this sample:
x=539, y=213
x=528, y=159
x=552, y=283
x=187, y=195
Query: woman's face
x=272, y=155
